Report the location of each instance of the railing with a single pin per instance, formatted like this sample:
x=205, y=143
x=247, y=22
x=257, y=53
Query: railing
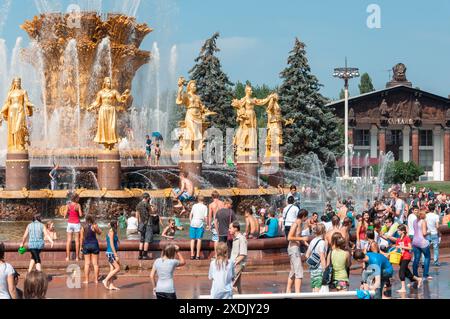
x=307, y=295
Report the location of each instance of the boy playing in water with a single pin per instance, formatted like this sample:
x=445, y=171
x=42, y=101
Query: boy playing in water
x=184, y=193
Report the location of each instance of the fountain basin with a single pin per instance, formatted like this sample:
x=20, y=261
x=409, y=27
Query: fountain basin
x=268, y=254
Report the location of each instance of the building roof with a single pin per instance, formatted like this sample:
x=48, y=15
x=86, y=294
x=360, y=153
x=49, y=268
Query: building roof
x=391, y=89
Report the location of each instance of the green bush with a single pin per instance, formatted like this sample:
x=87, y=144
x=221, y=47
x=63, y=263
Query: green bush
x=400, y=172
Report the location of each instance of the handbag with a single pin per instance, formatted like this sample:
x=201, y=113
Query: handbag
x=327, y=276
x=314, y=260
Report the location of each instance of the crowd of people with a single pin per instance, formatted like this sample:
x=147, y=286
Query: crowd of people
x=388, y=231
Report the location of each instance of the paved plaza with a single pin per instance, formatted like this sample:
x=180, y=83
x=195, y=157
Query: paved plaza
x=135, y=285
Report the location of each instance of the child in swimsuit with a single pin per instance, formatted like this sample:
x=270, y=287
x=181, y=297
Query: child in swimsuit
x=170, y=230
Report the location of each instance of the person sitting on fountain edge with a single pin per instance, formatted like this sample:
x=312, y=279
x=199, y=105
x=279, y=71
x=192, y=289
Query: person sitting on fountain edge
x=185, y=193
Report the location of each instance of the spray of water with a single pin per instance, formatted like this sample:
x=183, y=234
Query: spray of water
x=70, y=91
x=102, y=65
x=171, y=83
x=15, y=68
x=3, y=70
x=91, y=5
x=4, y=11
x=155, y=68
x=46, y=6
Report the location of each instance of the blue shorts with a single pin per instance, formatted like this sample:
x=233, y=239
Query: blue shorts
x=184, y=197
x=196, y=233
x=214, y=234
x=111, y=258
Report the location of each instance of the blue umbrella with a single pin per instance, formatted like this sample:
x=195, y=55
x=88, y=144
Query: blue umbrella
x=158, y=136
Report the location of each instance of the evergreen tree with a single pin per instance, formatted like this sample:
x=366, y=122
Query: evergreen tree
x=342, y=94
x=366, y=85
x=315, y=128
x=213, y=85
x=239, y=90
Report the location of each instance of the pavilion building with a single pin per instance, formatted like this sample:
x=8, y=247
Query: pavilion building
x=412, y=124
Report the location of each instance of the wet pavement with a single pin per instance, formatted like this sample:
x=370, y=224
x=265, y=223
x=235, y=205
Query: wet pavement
x=136, y=285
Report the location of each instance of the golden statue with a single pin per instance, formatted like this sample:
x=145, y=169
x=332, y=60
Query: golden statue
x=274, y=127
x=107, y=113
x=15, y=111
x=245, y=139
x=191, y=141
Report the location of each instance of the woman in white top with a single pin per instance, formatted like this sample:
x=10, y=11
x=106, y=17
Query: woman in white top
x=221, y=272
x=164, y=268
x=7, y=287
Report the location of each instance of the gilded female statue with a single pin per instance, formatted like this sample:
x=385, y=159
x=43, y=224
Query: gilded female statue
x=15, y=111
x=107, y=114
x=274, y=127
x=246, y=135
x=196, y=113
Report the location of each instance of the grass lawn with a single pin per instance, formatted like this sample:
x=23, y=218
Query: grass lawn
x=441, y=187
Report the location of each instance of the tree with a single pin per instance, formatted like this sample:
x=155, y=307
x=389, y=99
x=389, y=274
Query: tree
x=213, y=85
x=315, y=128
x=366, y=85
x=342, y=94
x=400, y=172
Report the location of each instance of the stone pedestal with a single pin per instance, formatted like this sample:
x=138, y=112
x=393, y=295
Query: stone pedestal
x=247, y=172
x=194, y=170
x=17, y=171
x=273, y=168
x=109, y=170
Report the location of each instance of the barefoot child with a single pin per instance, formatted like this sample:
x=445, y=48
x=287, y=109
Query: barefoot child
x=112, y=244
x=51, y=230
x=157, y=154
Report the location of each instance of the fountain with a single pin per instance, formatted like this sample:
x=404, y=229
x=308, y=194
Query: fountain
x=73, y=62
x=69, y=67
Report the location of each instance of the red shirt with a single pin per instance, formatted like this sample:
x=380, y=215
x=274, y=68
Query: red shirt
x=74, y=216
x=406, y=254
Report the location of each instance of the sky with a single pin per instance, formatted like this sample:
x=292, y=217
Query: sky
x=257, y=35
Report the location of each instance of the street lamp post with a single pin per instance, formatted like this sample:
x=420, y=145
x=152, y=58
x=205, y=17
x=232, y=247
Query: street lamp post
x=346, y=74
